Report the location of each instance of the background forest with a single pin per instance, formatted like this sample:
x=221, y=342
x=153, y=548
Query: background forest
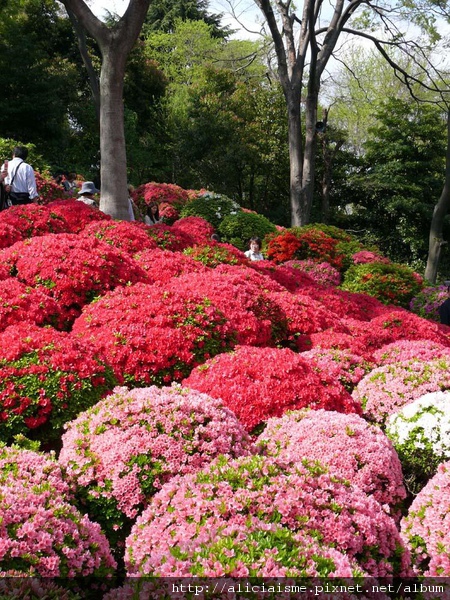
x=204, y=110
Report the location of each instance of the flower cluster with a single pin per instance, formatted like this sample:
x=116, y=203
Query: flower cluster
x=9, y=234
x=169, y=238
x=120, y=452
x=341, y=364
x=402, y=350
x=290, y=278
x=317, y=245
x=428, y=301
x=47, y=189
x=150, y=334
x=259, y=383
x=32, y=220
x=366, y=256
x=20, y=303
x=197, y=228
x=46, y=379
x=347, y=444
x=76, y=214
x=282, y=246
x=129, y=237
x=214, y=253
x=421, y=434
x=168, y=193
x=320, y=273
x=161, y=265
x=41, y=533
x=241, y=518
x=386, y=389
x=426, y=528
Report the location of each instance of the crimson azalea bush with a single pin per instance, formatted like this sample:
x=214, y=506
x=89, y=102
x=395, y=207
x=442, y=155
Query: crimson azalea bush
x=168, y=213
x=428, y=301
x=347, y=444
x=71, y=269
x=391, y=283
x=426, y=528
x=41, y=533
x=318, y=246
x=291, y=279
x=46, y=378
x=197, y=228
x=282, y=246
x=320, y=273
x=150, y=334
x=251, y=516
x=20, y=303
x=77, y=214
x=9, y=234
x=386, y=389
x=119, y=453
x=161, y=265
x=169, y=238
x=259, y=383
x=346, y=304
x=47, y=189
x=213, y=254
x=129, y=237
x=34, y=220
x=168, y=193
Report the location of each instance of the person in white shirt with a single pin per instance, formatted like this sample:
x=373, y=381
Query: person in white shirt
x=20, y=181
x=152, y=215
x=255, y=249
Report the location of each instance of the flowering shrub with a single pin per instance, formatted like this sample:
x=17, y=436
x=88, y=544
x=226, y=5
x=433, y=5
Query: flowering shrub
x=129, y=237
x=237, y=229
x=71, y=269
x=402, y=350
x=426, y=528
x=390, y=283
x=317, y=245
x=33, y=220
x=168, y=213
x=47, y=189
x=19, y=303
x=9, y=234
x=342, y=365
x=169, y=238
x=197, y=228
x=13, y=586
x=282, y=246
x=390, y=387
x=211, y=207
x=169, y=193
x=162, y=265
x=241, y=518
x=154, y=335
x=40, y=532
x=290, y=278
x=346, y=304
x=213, y=254
x=259, y=383
x=420, y=432
x=348, y=445
x=46, y=378
x=77, y=214
x=120, y=452
x=366, y=256
x=427, y=302
x=320, y=273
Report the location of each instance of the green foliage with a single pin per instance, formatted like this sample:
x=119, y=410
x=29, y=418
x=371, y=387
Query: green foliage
x=34, y=158
x=390, y=283
x=211, y=207
x=239, y=228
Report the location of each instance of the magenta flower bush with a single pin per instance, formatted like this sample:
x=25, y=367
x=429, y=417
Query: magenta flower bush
x=41, y=533
x=119, y=453
x=427, y=302
x=259, y=383
x=367, y=256
x=426, y=528
x=348, y=445
x=321, y=273
x=34, y=220
x=292, y=279
x=386, y=389
x=250, y=517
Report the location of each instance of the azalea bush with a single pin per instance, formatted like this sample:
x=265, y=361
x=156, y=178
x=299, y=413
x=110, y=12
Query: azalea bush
x=119, y=453
x=291, y=279
x=21, y=303
x=213, y=253
x=9, y=234
x=366, y=256
x=259, y=383
x=390, y=283
x=250, y=517
x=426, y=528
x=150, y=334
x=420, y=432
x=161, y=265
x=197, y=228
x=237, y=229
x=346, y=443
x=131, y=237
x=211, y=207
x=346, y=304
x=318, y=246
x=34, y=220
x=46, y=378
x=427, y=302
x=282, y=246
x=401, y=350
x=343, y=365
x=169, y=238
x=169, y=193
x=320, y=273
x=41, y=533
x=77, y=214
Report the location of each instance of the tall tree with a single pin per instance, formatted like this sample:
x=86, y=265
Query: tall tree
x=115, y=43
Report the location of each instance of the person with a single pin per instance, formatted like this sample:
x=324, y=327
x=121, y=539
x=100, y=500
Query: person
x=152, y=214
x=255, y=249
x=20, y=181
x=70, y=184
x=86, y=194
x=215, y=237
x=444, y=309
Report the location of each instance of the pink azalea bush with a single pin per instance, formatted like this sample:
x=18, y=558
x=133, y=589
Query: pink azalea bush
x=402, y=350
x=168, y=193
x=16, y=587
x=129, y=237
x=386, y=389
x=169, y=238
x=321, y=273
x=426, y=528
x=20, y=303
x=259, y=383
x=154, y=334
x=427, y=302
x=346, y=304
x=46, y=378
x=367, y=256
x=119, y=453
x=161, y=265
x=41, y=533
x=250, y=517
x=341, y=364
x=347, y=444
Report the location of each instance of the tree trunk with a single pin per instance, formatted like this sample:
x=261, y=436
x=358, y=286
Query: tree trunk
x=295, y=160
x=437, y=222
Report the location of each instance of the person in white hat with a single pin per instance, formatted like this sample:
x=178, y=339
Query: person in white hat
x=86, y=194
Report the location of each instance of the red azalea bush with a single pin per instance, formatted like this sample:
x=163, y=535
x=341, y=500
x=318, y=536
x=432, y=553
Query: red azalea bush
x=150, y=192
x=9, y=234
x=213, y=254
x=77, y=214
x=320, y=273
x=46, y=378
x=335, y=339
x=70, y=268
x=318, y=246
x=161, y=265
x=243, y=518
x=348, y=445
x=41, y=533
x=168, y=237
x=197, y=228
x=346, y=304
x=282, y=246
x=168, y=213
x=150, y=334
x=20, y=303
x=34, y=220
x=390, y=387
x=119, y=453
x=259, y=383
x=402, y=350
x=47, y=189
x=286, y=276
x=340, y=364
x=426, y=528
x=122, y=235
